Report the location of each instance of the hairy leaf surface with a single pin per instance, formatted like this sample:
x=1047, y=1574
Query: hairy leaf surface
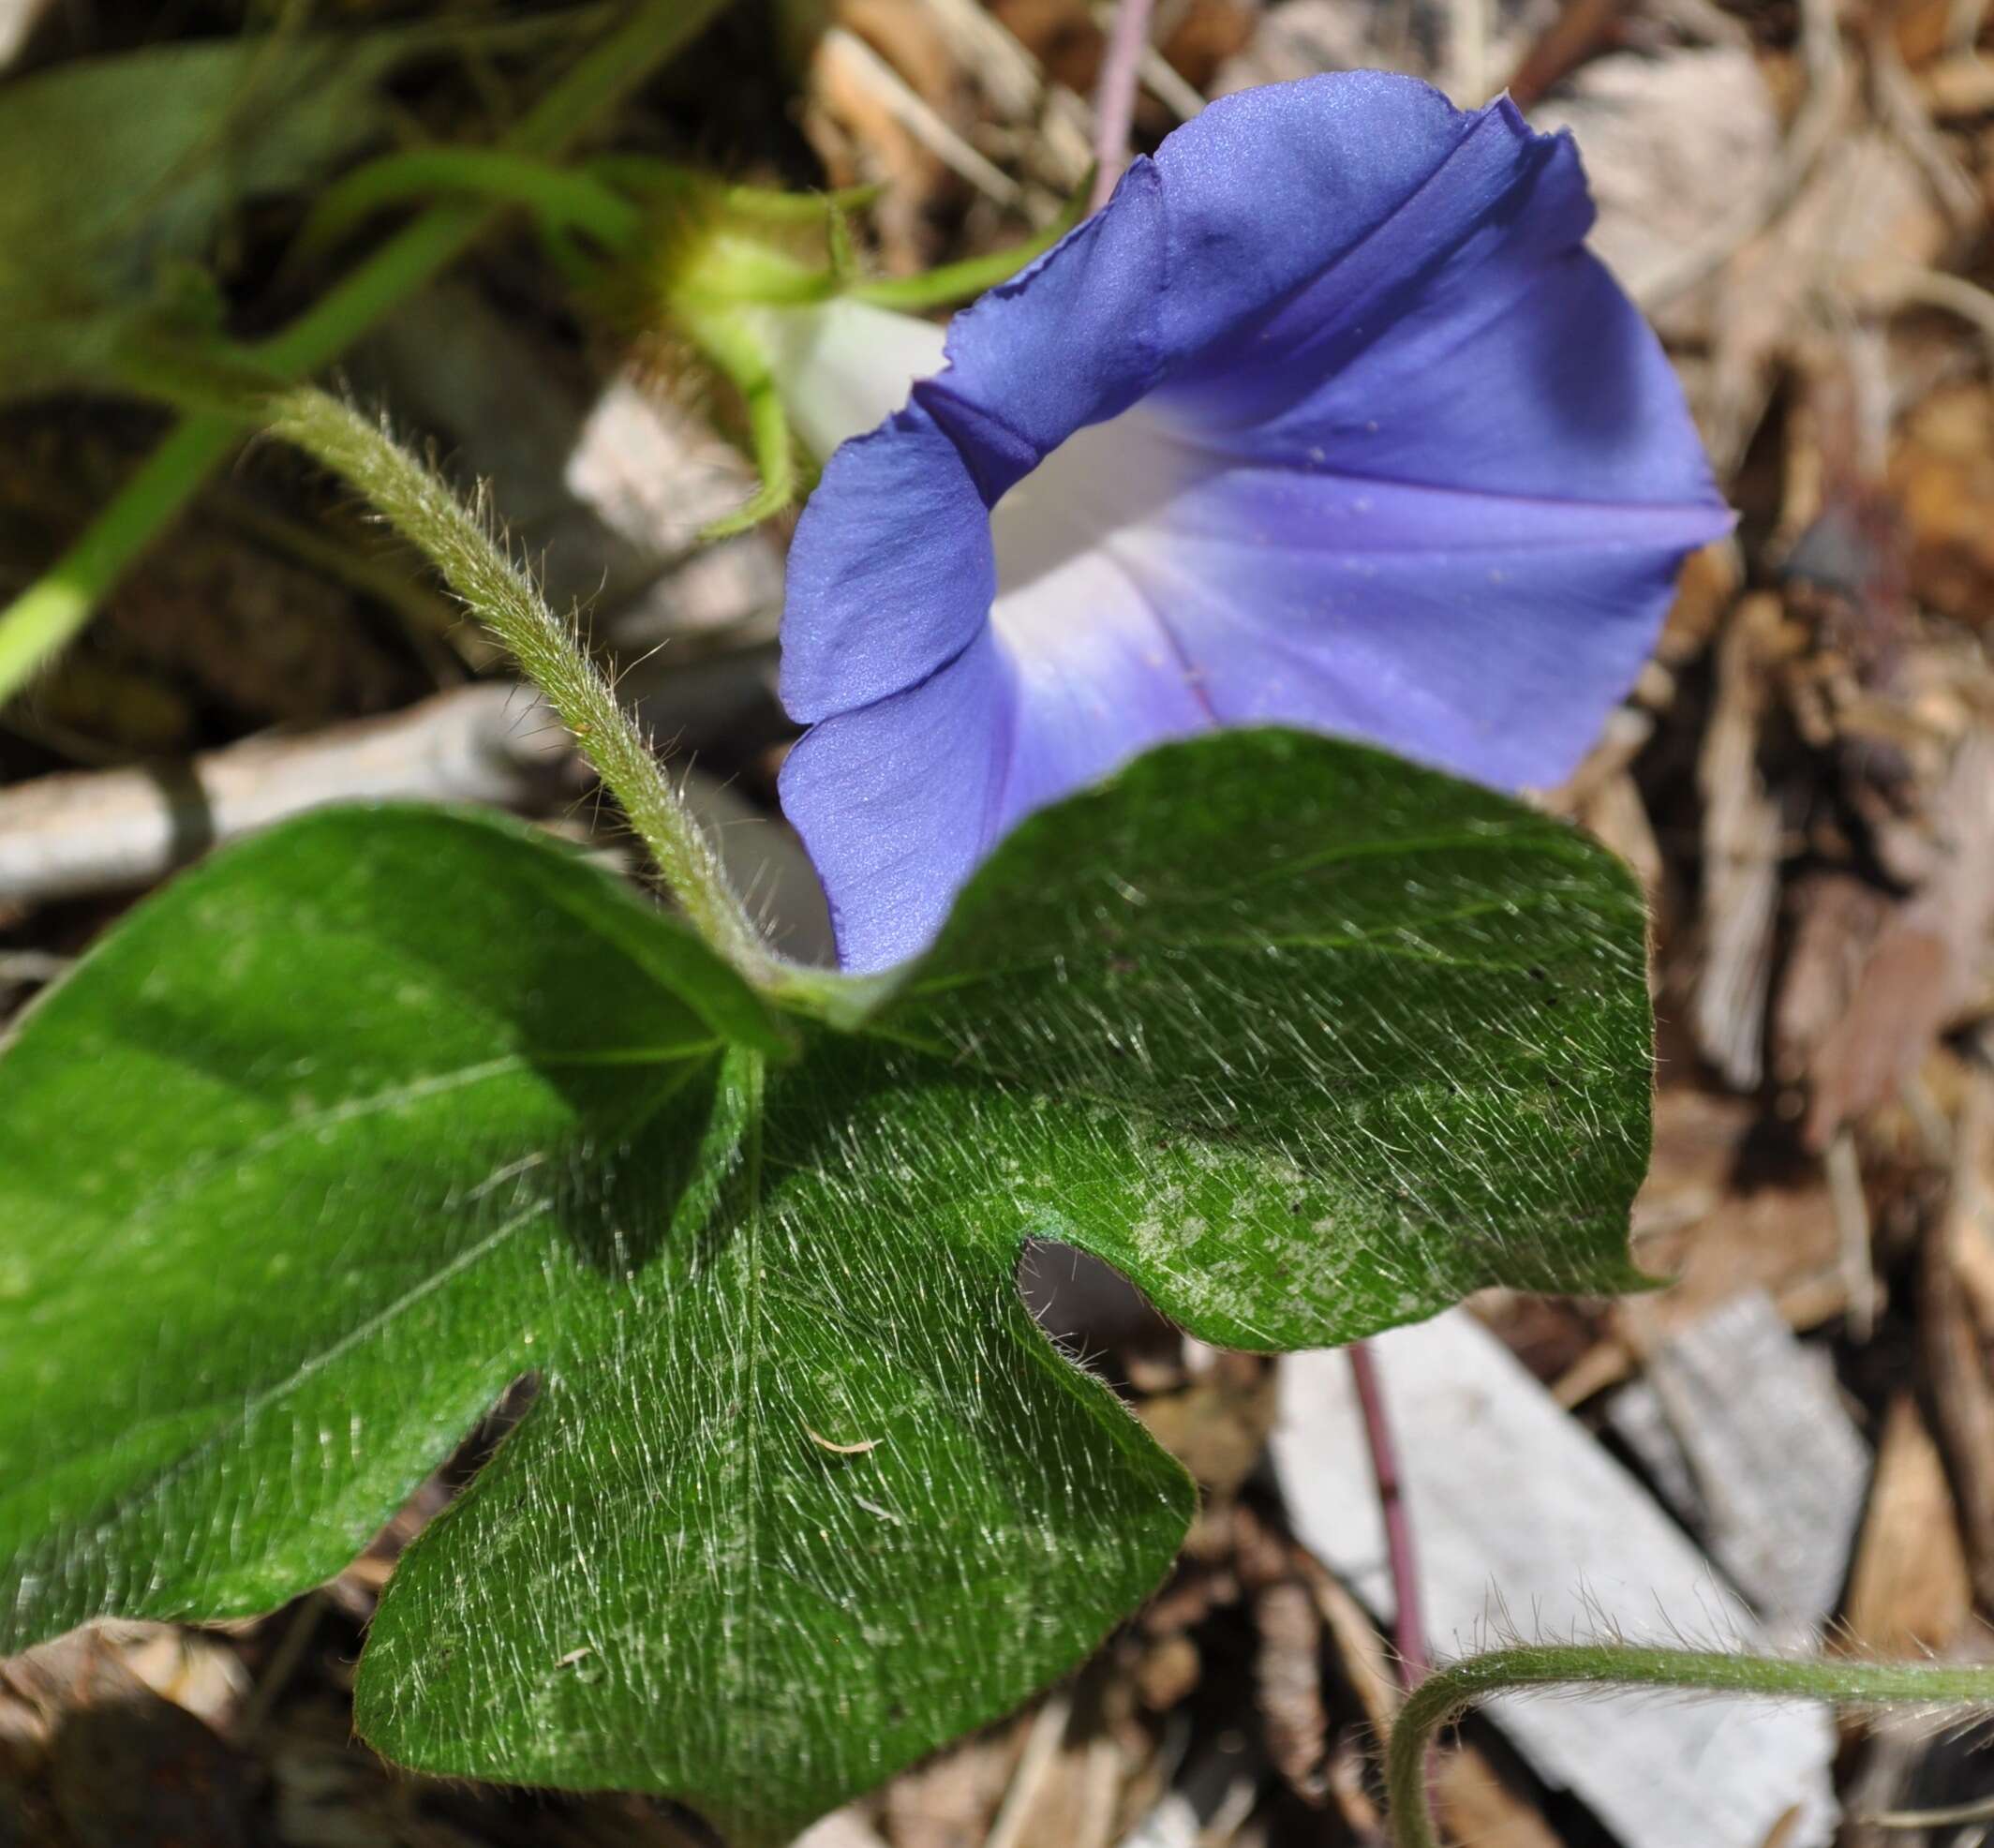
x=288, y=1182
x=1306, y=1040
x=341, y=1134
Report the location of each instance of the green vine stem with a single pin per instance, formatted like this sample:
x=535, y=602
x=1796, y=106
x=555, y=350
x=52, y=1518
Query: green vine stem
x=962, y=281
x=741, y=359
x=47, y=614
x=424, y=511
x=1453, y=1686
x=645, y=175
x=565, y=197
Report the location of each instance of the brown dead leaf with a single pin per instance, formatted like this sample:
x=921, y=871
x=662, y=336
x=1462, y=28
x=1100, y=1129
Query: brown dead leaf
x=1865, y=215
x=1925, y=963
x=1167, y=1671
x=1836, y=919
x=1061, y=34
x=1217, y=1425
x=1068, y=1779
x=1907, y=986
x=125, y=1767
x=1614, y=816
x=1909, y=1593
x=1942, y=470
x=1665, y=139
x=1287, y=1685
x=1704, y=594
x=1205, y=33
x=1287, y=1662
x=1721, y=1217
x=1919, y=29
x=881, y=56
x=1959, y=87
x=950, y=1801
x=1477, y=1806
x=1741, y=845
x=1957, y=1353
x=1302, y=38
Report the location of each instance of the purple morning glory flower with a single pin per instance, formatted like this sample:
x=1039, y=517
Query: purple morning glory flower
x=1328, y=419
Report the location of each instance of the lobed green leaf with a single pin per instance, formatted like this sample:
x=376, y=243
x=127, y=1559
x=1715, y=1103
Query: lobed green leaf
x=344, y=1132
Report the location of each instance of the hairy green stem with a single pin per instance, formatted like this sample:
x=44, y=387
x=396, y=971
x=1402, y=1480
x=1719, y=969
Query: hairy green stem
x=424, y=512
x=1452, y=1688
x=48, y=615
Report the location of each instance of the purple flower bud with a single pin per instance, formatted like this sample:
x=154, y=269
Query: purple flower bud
x=1328, y=419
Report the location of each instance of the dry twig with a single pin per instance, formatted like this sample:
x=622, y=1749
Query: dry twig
x=72, y=835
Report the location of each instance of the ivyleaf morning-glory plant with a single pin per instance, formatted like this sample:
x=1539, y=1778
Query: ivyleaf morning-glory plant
x=1324, y=435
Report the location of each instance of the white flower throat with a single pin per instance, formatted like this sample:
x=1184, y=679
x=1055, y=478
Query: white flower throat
x=844, y=367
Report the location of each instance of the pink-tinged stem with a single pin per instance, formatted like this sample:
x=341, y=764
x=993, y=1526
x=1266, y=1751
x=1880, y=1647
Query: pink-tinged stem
x=1115, y=96
x=1410, y=1631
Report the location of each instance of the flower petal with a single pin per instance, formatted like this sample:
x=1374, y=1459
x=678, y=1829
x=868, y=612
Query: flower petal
x=1098, y=678
x=1484, y=634
x=895, y=800
x=1445, y=483
x=890, y=574
x=1468, y=341
x=900, y=800
x=1329, y=419
x=1258, y=196
x=1268, y=193
x=1070, y=341
x=842, y=366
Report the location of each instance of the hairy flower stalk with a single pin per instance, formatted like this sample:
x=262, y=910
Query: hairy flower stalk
x=1326, y=420
x=1450, y=1689
x=425, y=511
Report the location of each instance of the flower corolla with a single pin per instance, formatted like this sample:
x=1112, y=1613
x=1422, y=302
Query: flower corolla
x=1328, y=419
